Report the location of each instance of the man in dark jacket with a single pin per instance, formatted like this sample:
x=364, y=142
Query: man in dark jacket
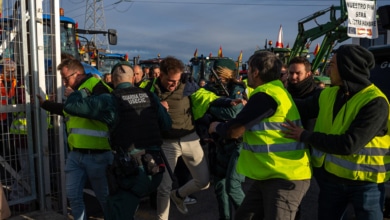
x=301, y=84
x=227, y=182
x=135, y=118
x=351, y=137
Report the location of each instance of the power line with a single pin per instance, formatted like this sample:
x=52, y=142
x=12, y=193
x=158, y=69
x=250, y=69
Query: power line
x=304, y=3
x=125, y=10
x=275, y=3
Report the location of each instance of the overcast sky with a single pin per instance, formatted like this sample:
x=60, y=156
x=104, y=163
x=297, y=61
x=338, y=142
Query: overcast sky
x=179, y=27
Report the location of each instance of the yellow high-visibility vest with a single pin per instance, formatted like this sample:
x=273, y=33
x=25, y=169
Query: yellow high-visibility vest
x=266, y=153
x=368, y=164
x=87, y=133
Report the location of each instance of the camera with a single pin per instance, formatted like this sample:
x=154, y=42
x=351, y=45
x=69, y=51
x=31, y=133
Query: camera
x=128, y=166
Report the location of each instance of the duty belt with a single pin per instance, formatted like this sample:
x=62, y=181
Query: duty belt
x=90, y=151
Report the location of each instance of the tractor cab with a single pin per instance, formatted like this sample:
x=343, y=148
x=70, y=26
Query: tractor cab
x=201, y=67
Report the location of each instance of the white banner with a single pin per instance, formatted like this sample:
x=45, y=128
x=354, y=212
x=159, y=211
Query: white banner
x=362, y=21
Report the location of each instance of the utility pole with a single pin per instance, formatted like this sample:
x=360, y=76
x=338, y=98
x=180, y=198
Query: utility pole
x=95, y=20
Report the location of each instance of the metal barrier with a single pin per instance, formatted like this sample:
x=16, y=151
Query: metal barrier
x=32, y=152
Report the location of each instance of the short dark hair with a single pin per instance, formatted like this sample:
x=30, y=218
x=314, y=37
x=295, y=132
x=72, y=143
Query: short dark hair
x=301, y=60
x=155, y=66
x=171, y=63
x=268, y=65
x=66, y=56
x=72, y=64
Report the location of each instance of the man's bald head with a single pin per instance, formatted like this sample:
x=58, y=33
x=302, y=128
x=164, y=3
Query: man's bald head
x=122, y=73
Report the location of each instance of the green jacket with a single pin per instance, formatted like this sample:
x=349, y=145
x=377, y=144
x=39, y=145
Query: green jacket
x=104, y=107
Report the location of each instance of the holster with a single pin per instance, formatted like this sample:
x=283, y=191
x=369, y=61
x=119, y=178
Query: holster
x=113, y=185
x=126, y=165
x=153, y=162
x=122, y=166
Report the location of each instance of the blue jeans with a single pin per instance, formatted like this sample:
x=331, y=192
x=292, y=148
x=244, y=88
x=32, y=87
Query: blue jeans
x=78, y=168
x=367, y=199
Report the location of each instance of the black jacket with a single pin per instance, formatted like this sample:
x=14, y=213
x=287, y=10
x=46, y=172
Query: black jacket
x=371, y=120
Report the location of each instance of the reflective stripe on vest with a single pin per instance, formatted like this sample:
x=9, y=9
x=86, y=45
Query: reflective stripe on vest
x=272, y=126
x=266, y=152
x=90, y=132
x=371, y=163
x=272, y=148
x=354, y=166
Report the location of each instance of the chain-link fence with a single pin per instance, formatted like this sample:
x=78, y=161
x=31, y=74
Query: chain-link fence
x=32, y=148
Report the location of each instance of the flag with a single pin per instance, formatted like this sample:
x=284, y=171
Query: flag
x=82, y=50
x=316, y=50
x=239, y=59
x=308, y=45
x=78, y=44
x=93, y=54
x=77, y=37
x=196, y=53
x=220, y=52
x=211, y=54
x=279, y=42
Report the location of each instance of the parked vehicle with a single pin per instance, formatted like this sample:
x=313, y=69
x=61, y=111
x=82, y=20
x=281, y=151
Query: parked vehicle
x=201, y=67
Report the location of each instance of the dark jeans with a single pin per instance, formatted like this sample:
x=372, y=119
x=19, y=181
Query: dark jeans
x=367, y=199
x=228, y=190
x=124, y=203
x=272, y=199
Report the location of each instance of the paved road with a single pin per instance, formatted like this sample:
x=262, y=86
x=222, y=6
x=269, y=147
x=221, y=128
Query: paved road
x=205, y=209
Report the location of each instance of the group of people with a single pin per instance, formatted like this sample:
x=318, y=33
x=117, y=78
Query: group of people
x=341, y=133
x=277, y=127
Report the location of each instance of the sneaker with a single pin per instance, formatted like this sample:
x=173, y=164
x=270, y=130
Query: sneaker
x=190, y=200
x=180, y=205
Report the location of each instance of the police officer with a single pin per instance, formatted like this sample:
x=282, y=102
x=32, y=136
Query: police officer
x=135, y=118
x=223, y=153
